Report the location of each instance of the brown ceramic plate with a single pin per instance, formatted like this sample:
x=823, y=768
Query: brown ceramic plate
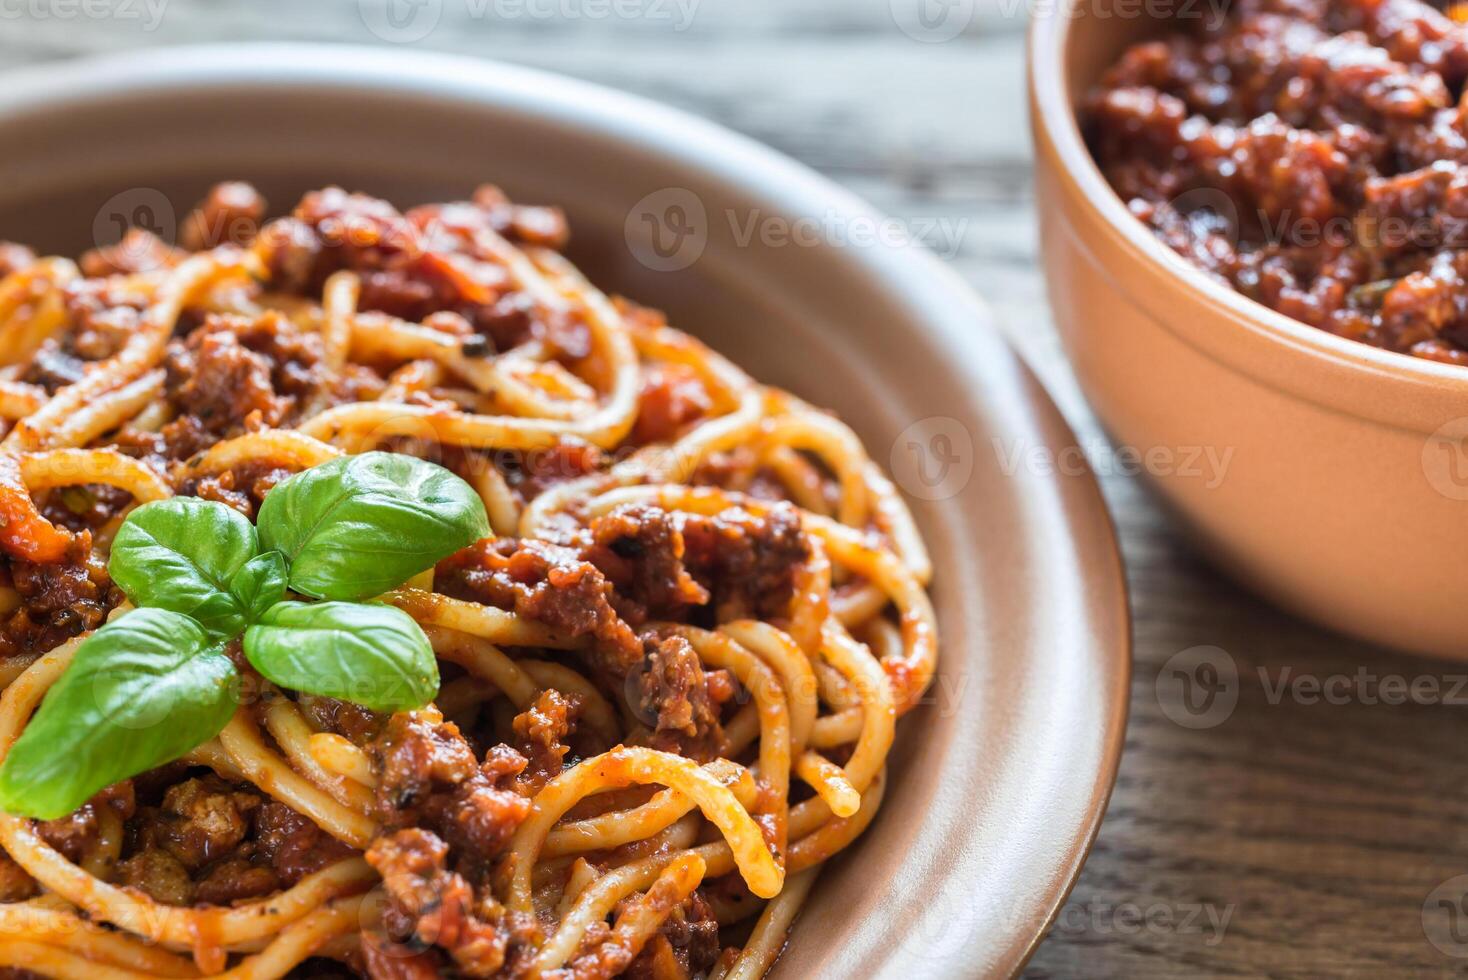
x=999, y=783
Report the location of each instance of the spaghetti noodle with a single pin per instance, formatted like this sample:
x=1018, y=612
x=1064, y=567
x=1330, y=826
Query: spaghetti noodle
x=669, y=682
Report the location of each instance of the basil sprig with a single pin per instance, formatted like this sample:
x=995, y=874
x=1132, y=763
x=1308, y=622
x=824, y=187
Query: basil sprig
x=360, y=525
x=141, y=691
x=309, y=646
x=259, y=584
x=148, y=687
x=181, y=554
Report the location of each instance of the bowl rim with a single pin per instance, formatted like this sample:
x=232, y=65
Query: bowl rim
x=733, y=159
x=1054, y=119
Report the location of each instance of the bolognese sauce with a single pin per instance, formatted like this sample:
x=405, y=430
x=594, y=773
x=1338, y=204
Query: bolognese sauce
x=1311, y=154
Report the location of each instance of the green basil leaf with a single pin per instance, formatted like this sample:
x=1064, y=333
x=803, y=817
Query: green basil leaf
x=140, y=692
x=180, y=554
x=259, y=584
x=367, y=653
x=358, y=526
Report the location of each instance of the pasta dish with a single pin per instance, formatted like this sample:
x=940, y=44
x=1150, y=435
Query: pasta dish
x=379, y=598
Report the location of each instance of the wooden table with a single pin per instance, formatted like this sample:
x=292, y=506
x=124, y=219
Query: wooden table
x=1293, y=838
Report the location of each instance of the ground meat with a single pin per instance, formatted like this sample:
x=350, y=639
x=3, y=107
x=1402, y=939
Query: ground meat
x=1281, y=64
x=641, y=550
x=201, y=821
x=53, y=368
x=158, y=874
x=293, y=845
x=747, y=562
x=59, y=601
x=77, y=834
x=430, y=261
x=548, y=583
x=1308, y=153
x=1412, y=32
x=428, y=776
x=674, y=699
x=351, y=721
x=387, y=960
x=636, y=563
x=416, y=755
x=445, y=816
x=233, y=372
x=331, y=230
x=432, y=906
x=139, y=251
x=526, y=224
x=673, y=397
x=608, y=953
x=209, y=841
x=529, y=474
x=221, y=382
x=15, y=884
x=178, y=440
x=689, y=937
x=235, y=880
x=231, y=214
x=243, y=488
x=512, y=317
x=541, y=732
x=85, y=507
x=102, y=315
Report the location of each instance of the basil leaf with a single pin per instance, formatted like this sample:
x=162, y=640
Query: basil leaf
x=141, y=691
x=259, y=584
x=180, y=554
x=370, y=654
x=358, y=526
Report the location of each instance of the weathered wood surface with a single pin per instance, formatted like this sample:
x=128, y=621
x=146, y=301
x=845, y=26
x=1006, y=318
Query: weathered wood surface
x=1297, y=837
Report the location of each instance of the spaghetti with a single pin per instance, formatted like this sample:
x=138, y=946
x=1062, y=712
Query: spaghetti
x=669, y=681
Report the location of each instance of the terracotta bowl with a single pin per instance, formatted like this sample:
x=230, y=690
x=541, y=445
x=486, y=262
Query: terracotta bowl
x=997, y=785
x=1327, y=475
